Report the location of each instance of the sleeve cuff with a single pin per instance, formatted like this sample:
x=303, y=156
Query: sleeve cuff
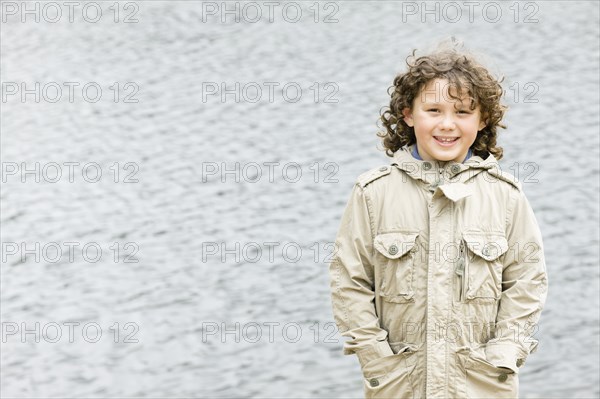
x=375, y=351
x=505, y=355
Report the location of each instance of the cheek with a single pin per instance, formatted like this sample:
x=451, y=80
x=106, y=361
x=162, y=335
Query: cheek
x=471, y=126
x=422, y=131
x=424, y=125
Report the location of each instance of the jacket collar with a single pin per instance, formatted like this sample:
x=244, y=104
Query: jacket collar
x=416, y=155
x=446, y=174
x=404, y=160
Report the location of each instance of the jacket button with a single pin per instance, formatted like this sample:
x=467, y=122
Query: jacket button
x=520, y=362
x=383, y=169
x=426, y=165
x=393, y=249
x=374, y=382
x=455, y=169
x=485, y=251
x=502, y=377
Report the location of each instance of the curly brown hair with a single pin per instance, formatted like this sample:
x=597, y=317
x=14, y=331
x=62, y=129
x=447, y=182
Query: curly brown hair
x=464, y=74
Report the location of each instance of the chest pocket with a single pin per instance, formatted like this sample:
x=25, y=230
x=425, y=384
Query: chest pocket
x=483, y=268
x=397, y=262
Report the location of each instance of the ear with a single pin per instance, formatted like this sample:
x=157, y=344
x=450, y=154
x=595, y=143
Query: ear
x=407, y=113
x=482, y=124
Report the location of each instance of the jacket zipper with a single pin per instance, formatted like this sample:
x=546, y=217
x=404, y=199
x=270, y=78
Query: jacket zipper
x=460, y=271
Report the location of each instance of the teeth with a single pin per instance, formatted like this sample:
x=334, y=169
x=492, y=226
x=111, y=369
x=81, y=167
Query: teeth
x=446, y=140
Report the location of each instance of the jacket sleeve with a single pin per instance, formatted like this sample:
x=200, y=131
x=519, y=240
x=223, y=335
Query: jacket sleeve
x=524, y=288
x=352, y=282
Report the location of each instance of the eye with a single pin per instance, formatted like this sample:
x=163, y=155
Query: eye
x=433, y=110
x=462, y=111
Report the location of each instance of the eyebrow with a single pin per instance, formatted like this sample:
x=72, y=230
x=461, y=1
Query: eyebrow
x=427, y=104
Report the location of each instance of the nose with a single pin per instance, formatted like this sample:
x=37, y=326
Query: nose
x=447, y=122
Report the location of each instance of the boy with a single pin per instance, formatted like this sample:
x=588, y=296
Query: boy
x=439, y=277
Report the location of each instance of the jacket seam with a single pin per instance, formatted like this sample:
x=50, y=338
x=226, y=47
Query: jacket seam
x=511, y=209
x=371, y=222
x=340, y=295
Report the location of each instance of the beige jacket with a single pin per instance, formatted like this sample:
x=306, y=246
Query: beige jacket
x=438, y=279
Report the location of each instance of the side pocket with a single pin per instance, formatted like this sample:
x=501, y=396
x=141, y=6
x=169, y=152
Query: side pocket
x=484, y=380
x=390, y=376
x=483, y=270
x=397, y=262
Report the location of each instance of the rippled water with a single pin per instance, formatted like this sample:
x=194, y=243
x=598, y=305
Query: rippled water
x=257, y=326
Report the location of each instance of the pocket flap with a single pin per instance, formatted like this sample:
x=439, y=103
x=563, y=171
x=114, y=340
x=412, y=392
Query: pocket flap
x=397, y=244
x=488, y=245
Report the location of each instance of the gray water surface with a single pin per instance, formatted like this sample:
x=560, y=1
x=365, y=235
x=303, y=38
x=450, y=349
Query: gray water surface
x=259, y=326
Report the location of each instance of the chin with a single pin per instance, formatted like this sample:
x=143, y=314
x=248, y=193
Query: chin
x=445, y=157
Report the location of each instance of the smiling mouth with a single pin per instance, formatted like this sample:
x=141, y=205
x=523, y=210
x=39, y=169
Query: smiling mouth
x=445, y=140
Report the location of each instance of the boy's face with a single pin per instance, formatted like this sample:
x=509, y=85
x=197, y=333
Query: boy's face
x=435, y=116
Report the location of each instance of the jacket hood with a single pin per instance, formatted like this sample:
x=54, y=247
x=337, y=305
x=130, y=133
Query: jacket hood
x=403, y=157
x=451, y=176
